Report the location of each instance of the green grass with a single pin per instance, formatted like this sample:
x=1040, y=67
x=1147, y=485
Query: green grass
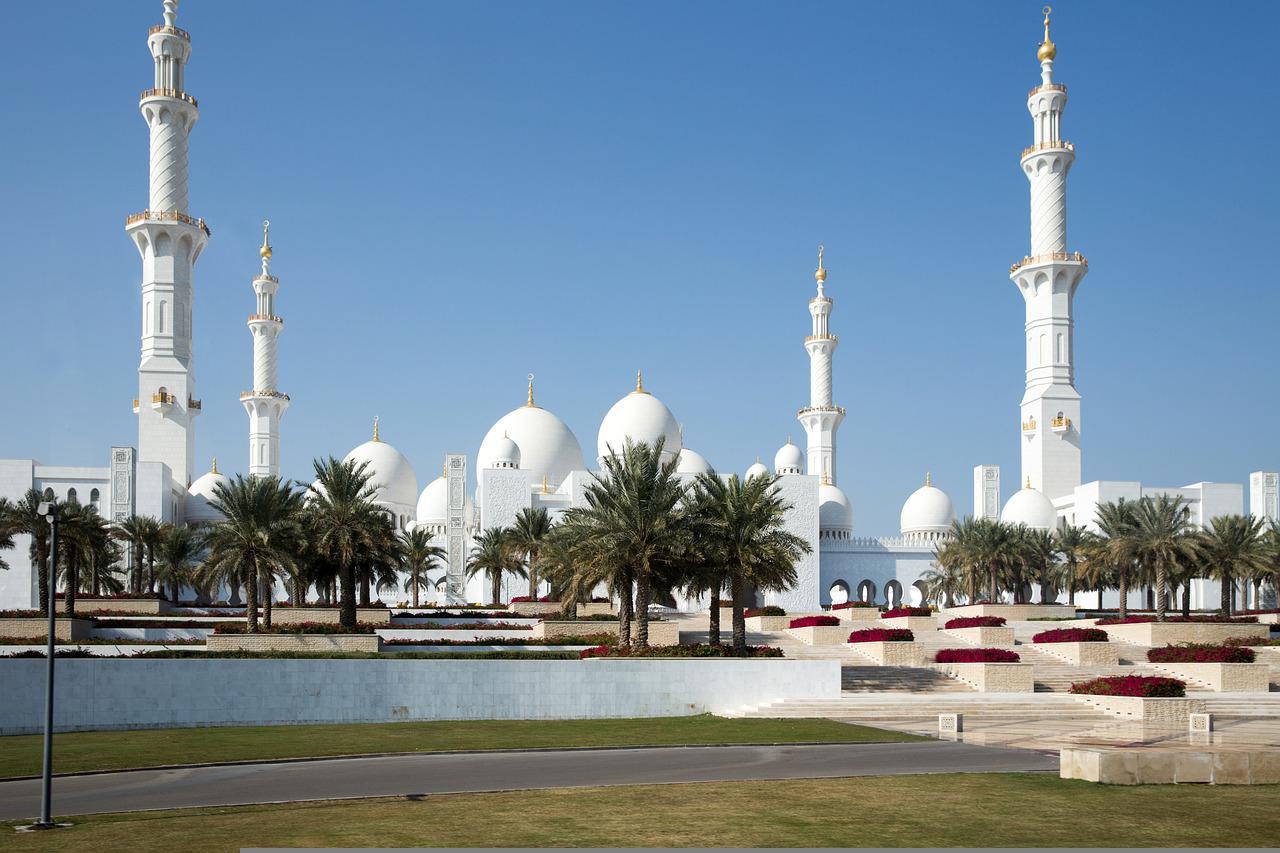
x=910, y=811
x=20, y=754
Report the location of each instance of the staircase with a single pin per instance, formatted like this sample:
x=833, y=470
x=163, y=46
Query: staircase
x=869, y=678
x=986, y=708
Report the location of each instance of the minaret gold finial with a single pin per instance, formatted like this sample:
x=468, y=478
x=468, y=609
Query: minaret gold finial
x=529, y=402
x=1048, y=51
x=640, y=384
x=928, y=479
x=214, y=468
x=544, y=484
x=821, y=275
x=265, y=251
x=375, y=428
x=1028, y=481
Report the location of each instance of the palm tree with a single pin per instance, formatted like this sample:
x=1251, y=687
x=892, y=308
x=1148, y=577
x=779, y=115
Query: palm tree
x=417, y=557
x=1117, y=523
x=137, y=531
x=1163, y=539
x=1040, y=558
x=1271, y=541
x=24, y=518
x=944, y=580
x=527, y=534
x=1071, y=542
x=347, y=523
x=260, y=528
x=177, y=558
x=6, y=529
x=740, y=525
x=76, y=535
x=493, y=556
x=1235, y=548
x=959, y=549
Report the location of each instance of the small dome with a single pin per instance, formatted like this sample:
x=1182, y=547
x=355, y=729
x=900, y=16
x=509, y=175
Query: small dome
x=506, y=453
x=692, y=462
x=393, y=476
x=315, y=490
x=757, y=469
x=788, y=460
x=1031, y=508
x=835, y=513
x=201, y=492
x=638, y=417
x=433, y=506
x=545, y=444
x=928, y=512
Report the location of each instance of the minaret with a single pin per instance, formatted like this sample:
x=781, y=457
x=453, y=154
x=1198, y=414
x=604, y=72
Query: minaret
x=265, y=403
x=820, y=418
x=1047, y=279
x=169, y=240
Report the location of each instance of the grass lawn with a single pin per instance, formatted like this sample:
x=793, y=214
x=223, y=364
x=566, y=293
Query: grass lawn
x=939, y=811
x=20, y=755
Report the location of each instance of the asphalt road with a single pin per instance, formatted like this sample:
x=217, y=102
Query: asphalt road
x=498, y=771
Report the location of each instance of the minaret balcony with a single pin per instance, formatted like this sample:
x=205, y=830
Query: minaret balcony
x=166, y=216
x=1048, y=257
x=821, y=410
x=136, y=407
x=253, y=318
x=247, y=395
x=170, y=31
x=162, y=401
x=1048, y=87
x=176, y=94
x=1029, y=426
x=1051, y=145
x=832, y=338
x=194, y=406
x=1060, y=424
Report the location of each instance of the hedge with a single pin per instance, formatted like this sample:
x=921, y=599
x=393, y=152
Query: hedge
x=906, y=611
x=1201, y=653
x=882, y=635
x=698, y=650
x=813, y=622
x=976, y=656
x=1071, y=635
x=976, y=622
x=1148, y=686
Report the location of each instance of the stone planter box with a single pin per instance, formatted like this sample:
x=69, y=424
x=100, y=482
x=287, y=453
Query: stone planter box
x=293, y=643
x=1258, y=766
x=327, y=615
x=663, y=633
x=535, y=608
x=889, y=654
x=821, y=635
x=856, y=614
x=149, y=606
x=992, y=677
x=773, y=624
x=23, y=628
x=914, y=623
x=1013, y=612
x=1081, y=654
x=1223, y=677
x=1173, y=633
x=1168, y=711
x=982, y=636
x=597, y=608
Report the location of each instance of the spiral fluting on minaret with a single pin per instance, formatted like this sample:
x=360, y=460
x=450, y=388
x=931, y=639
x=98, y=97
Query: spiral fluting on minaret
x=168, y=162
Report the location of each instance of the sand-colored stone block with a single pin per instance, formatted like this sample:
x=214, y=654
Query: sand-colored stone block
x=1118, y=767
x=1264, y=767
x=328, y=615
x=821, y=635
x=983, y=637
x=1175, y=633
x=1223, y=677
x=1193, y=767
x=1081, y=654
x=856, y=614
x=911, y=623
x=1231, y=768
x=1157, y=767
x=993, y=677
x=1015, y=612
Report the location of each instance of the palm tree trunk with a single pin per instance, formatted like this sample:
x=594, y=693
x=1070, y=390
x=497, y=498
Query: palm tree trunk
x=1123, y=589
x=533, y=575
x=1228, y=592
x=251, y=597
x=973, y=586
x=1186, y=597
x=1162, y=591
x=713, y=637
x=624, y=614
x=414, y=581
x=42, y=572
x=364, y=589
x=993, y=592
x=642, y=607
x=347, y=616
x=739, y=623
x=70, y=591
x=267, y=604
x=495, y=587
x=1071, y=584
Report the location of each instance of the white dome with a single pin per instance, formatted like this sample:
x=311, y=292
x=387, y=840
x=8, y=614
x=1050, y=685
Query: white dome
x=757, y=469
x=927, y=511
x=433, y=506
x=692, y=462
x=506, y=453
x=201, y=492
x=640, y=417
x=788, y=460
x=1030, y=507
x=835, y=513
x=315, y=490
x=393, y=476
x=546, y=447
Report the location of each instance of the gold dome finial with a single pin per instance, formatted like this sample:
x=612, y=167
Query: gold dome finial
x=214, y=468
x=375, y=428
x=640, y=384
x=821, y=274
x=1048, y=50
x=265, y=251
x=529, y=401
x=544, y=484
x=444, y=470
x=928, y=479
x=1028, y=481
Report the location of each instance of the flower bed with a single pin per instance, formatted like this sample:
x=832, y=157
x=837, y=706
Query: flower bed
x=882, y=635
x=813, y=622
x=845, y=605
x=767, y=610
x=428, y=613
x=1203, y=620
x=699, y=650
x=297, y=628
x=323, y=606
x=1142, y=686
x=1201, y=653
x=524, y=599
x=975, y=622
x=1071, y=635
x=906, y=611
x=1251, y=641
x=472, y=626
x=976, y=656
x=582, y=640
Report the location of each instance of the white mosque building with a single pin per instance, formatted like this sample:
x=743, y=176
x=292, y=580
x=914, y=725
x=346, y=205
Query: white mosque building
x=531, y=458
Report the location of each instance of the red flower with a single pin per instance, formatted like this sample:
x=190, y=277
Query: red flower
x=847, y=604
x=1201, y=653
x=976, y=656
x=882, y=635
x=976, y=622
x=1132, y=685
x=813, y=621
x=906, y=611
x=1071, y=635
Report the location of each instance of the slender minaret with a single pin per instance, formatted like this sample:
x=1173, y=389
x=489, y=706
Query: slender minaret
x=265, y=404
x=169, y=240
x=820, y=418
x=1047, y=279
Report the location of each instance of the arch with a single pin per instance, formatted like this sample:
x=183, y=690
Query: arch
x=893, y=593
x=72, y=495
x=1059, y=353
x=184, y=245
x=94, y=496
x=146, y=319
x=48, y=494
x=839, y=592
x=164, y=311
x=163, y=243
x=917, y=594
x=867, y=592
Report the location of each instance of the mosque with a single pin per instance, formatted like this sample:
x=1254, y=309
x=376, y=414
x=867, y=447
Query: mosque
x=530, y=457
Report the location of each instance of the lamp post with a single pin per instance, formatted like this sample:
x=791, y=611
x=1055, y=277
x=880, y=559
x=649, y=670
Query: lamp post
x=49, y=510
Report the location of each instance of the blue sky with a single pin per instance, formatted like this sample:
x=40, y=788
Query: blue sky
x=463, y=193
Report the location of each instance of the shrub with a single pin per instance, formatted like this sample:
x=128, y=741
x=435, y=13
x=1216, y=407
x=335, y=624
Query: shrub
x=120, y=596
x=847, y=604
x=580, y=640
x=699, y=650
x=976, y=656
x=1071, y=635
x=767, y=610
x=57, y=653
x=906, y=611
x=1201, y=653
x=546, y=599
x=1137, y=620
x=299, y=628
x=882, y=635
x=1251, y=641
x=24, y=614
x=514, y=654
x=446, y=614
x=976, y=622
x=1132, y=685
x=813, y=621
x=470, y=626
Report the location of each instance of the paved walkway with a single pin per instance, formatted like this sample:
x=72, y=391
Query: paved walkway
x=496, y=771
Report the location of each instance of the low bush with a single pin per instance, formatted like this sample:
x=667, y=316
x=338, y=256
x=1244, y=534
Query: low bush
x=1258, y=612
x=58, y=653
x=882, y=635
x=321, y=606
x=458, y=655
x=446, y=614
x=813, y=621
x=1149, y=686
x=299, y=628
x=1251, y=641
x=1052, y=618
x=699, y=650
x=847, y=604
x=121, y=596
x=469, y=626
x=906, y=611
x=580, y=640
x=525, y=599
x=97, y=641
x=767, y=610
x=598, y=617
x=976, y=622
x=976, y=656
x=1201, y=653
x=1138, y=620
x=23, y=614
x=1071, y=635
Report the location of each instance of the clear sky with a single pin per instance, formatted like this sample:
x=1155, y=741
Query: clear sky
x=462, y=193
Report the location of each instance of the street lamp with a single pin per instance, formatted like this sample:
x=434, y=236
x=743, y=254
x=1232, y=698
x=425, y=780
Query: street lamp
x=49, y=509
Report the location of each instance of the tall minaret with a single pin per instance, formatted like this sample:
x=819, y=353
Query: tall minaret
x=1047, y=279
x=169, y=240
x=265, y=403
x=820, y=418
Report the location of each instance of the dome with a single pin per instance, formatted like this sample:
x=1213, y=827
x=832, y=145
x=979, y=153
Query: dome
x=1030, y=507
x=692, y=462
x=315, y=490
x=757, y=469
x=506, y=454
x=788, y=460
x=545, y=446
x=927, y=512
x=638, y=417
x=393, y=476
x=201, y=492
x=433, y=507
x=835, y=513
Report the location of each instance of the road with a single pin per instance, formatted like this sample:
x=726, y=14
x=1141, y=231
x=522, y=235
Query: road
x=340, y=778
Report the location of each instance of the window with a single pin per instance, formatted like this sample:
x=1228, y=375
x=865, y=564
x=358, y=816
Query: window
x=94, y=496
x=72, y=497
x=48, y=494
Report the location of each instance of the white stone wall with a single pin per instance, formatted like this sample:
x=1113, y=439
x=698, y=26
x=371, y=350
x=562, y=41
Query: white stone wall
x=879, y=562
x=801, y=491
x=122, y=694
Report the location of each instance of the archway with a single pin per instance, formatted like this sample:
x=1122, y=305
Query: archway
x=893, y=594
x=839, y=592
x=867, y=592
x=917, y=594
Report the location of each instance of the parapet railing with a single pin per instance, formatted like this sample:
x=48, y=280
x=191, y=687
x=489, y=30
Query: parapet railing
x=173, y=31
x=1049, y=256
x=167, y=215
x=1056, y=144
x=168, y=93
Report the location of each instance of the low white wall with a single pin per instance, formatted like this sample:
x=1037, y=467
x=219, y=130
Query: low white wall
x=426, y=635
x=108, y=633
x=125, y=694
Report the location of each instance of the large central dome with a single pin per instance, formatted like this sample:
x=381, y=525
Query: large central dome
x=548, y=448
x=638, y=417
